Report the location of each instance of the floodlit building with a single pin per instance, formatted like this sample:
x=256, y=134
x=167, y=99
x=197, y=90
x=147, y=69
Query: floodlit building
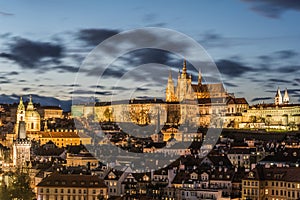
x=71, y=186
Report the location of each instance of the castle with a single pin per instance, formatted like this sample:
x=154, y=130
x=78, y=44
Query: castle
x=185, y=89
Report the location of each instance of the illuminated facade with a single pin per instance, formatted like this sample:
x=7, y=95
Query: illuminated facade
x=272, y=183
x=22, y=145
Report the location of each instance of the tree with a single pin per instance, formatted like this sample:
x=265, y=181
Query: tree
x=108, y=114
x=19, y=189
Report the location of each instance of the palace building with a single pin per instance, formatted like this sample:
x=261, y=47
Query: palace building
x=200, y=104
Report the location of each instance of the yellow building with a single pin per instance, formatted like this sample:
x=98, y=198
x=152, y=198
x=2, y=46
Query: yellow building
x=82, y=159
x=63, y=139
x=71, y=186
x=50, y=112
x=272, y=183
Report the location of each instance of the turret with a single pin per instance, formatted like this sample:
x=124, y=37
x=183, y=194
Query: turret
x=170, y=90
x=199, y=78
x=20, y=115
x=286, y=98
x=184, y=74
x=30, y=104
x=278, y=97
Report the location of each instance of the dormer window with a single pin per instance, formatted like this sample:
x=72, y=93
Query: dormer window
x=251, y=175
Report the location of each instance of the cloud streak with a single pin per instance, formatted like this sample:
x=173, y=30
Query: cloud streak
x=32, y=54
x=273, y=8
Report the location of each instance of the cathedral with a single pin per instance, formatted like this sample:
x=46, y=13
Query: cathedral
x=186, y=90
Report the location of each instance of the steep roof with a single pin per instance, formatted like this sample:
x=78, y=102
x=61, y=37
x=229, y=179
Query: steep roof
x=289, y=174
x=71, y=180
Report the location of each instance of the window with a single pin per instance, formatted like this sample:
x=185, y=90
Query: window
x=62, y=191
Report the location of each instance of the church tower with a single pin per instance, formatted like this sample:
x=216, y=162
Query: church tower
x=32, y=117
x=22, y=145
x=170, y=90
x=199, y=78
x=20, y=115
x=278, y=97
x=286, y=98
x=184, y=85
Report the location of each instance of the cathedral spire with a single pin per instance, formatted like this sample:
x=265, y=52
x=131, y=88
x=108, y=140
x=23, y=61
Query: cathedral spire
x=30, y=104
x=170, y=96
x=286, y=98
x=21, y=104
x=199, y=77
x=184, y=68
x=278, y=97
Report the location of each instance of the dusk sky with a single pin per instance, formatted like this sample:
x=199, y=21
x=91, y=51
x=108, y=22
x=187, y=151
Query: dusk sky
x=255, y=45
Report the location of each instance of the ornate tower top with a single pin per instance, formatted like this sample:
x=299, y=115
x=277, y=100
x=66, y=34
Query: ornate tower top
x=21, y=104
x=286, y=98
x=278, y=97
x=30, y=104
x=184, y=69
x=199, y=77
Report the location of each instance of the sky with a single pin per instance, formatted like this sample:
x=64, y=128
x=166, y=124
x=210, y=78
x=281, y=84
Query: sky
x=52, y=48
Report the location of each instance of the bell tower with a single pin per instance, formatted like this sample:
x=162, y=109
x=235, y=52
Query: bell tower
x=20, y=115
x=22, y=145
x=170, y=90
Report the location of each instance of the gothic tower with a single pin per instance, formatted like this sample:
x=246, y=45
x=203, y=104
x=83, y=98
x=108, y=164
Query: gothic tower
x=278, y=97
x=20, y=115
x=286, y=98
x=170, y=90
x=199, y=78
x=21, y=146
x=184, y=85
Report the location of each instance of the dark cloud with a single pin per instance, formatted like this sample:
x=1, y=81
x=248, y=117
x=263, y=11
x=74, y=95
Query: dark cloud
x=66, y=68
x=113, y=72
x=72, y=85
x=142, y=89
x=279, y=80
x=232, y=69
x=97, y=86
x=273, y=8
x=293, y=91
x=159, y=24
x=93, y=37
x=119, y=88
x=148, y=55
x=261, y=99
x=230, y=84
x=33, y=54
x=5, y=81
x=288, y=69
x=6, y=13
x=286, y=54
x=150, y=17
x=26, y=89
x=88, y=92
x=12, y=73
